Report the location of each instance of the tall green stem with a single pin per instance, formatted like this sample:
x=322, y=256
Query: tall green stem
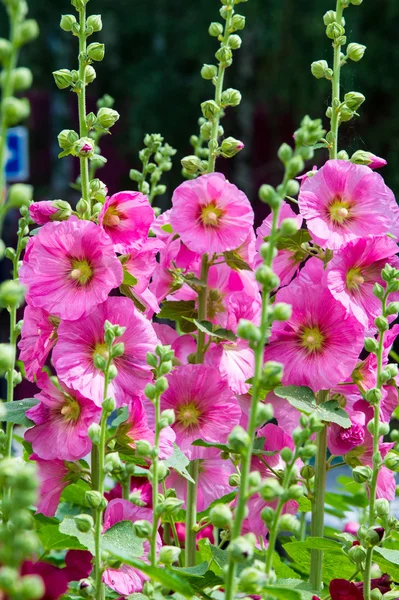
x=317, y=527
x=335, y=102
x=154, y=481
x=83, y=130
x=191, y=517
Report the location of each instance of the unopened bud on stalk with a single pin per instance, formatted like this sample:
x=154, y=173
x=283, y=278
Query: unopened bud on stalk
x=5, y=49
x=67, y=22
x=354, y=100
x=242, y=548
x=252, y=580
x=27, y=32
x=142, y=528
x=95, y=499
x=84, y=523
x=11, y=294
x=209, y=71
x=362, y=474
x=96, y=51
x=20, y=194
x=239, y=440
x=94, y=22
x=231, y=97
x=169, y=555
x=107, y=117
x=7, y=354
x=221, y=516
x=215, y=29
x=230, y=147
x=191, y=164
x=319, y=68
x=264, y=413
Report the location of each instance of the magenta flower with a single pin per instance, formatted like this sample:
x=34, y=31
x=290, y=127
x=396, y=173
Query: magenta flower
x=204, y=406
x=182, y=345
x=210, y=214
x=376, y=162
x=206, y=532
x=79, y=341
x=341, y=589
x=354, y=269
x=127, y=580
x=61, y=419
x=41, y=212
x=140, y=430
x=127, y=218
x=38, y=336
x=320, y=344
x=343, y=202
x=286, y=263
x=140, y=485
x=212, y=482
x=235, y=361
x=70, y=269
x=141, y=263
x=341, y=441
x=54, y=476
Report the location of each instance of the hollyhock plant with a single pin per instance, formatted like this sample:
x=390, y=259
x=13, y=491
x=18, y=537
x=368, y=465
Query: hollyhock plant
x=319, y=345
x=79, y=341
x=41, y=212
x=343, y=202
x=140, y=430
x=126, y=217
x=286, y=262
x=54, y=476
x=127, y=580
x=38, y=337
x=62, y=419
x=213, y=479
x=354, y=270
x=210, y=214
x=70, y=269
x=235, y=361
x=204, y=406
x=139, y=486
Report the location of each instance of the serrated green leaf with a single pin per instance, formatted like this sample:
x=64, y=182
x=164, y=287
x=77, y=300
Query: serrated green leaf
x=305, y=589
x=177, y=311
x=179, y=461
x=303, y=399
x=304, y=504
x=209, y=329
x=282, y=593
x=226, y=448
x=68, y=527
x=335, y=562
x=282, y=570
x=388, y=561
x=52, y=538
x=121, y=538
x=15, y=412
x=234, y=261
x=294, y=242
x=197, y=571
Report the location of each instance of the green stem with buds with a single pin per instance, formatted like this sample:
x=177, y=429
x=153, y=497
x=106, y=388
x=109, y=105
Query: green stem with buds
x=336, y=88
x=317, y=527
x=83, y=130
x=155, y=482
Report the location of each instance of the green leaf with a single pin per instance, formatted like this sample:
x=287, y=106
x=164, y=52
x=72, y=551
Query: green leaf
x=305, y=589
x=335, y=563
x=128, y=279
x=303, y=399
x=388, y=561
x=16, y=411
x=294, y=242
x=225, y=448
x=68, y=527
x=197, y=571
x=75, y=493
x=210, y=329
x=282, y=570
x=179, y=461
x=121, y=537
x=123, y=415
x=178, y=311
x=283, y=593
x=234, y=261
x=52, y=538
x=304, y=504
x=214, y=555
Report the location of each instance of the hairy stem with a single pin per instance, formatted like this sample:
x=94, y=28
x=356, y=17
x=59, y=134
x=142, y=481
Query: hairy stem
x=191, y=518
x=83, y=131
x=155, y=483
x=336, y=88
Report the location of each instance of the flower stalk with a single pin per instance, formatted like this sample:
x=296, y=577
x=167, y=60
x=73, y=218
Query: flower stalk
x=336, y=79
x=81, y=91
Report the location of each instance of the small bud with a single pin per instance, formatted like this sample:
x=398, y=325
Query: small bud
x=382, y=507
x=168, y=416
x=307, y=472
x=319, y=68
x=161, y=385
x=355, y=51
x=109, y=405
x=267, y=194
x=373, y=395
x=288, y=227
x=21, y=79
x=5, y=49
x=272, y=373
x=231, y=97
x=112, y=372
x=252, y=580
x=67, y=138
x=238, y=22
x=266, y=277
x=31, y=587
x=107, y=117
x=215, y=29
x=378, y=291
x=95, y=499
x=334, y=30
x=239, y=440
x=381, y=323
x=289, y=523
x=286, y=454
x=27, y=32
x=84, y=523
x=96, y=51
x=329, y=17
x=63, y=78
x=86, y=588
x=362, y=474
x=373, y=536
x=271, y=489
x=143, y=448
x=281, y=311
x=15, y=110
x=67, y=22
x=209, y=71
x=371, y=345
x=7, y=355
x=90, y=74
x=225, y=56
x=191, y=164
x=357, y=554
x=241, y=549
x=295, y=166
x=11, y=294
x=169, y=555
x=170, y=506
x=230, y=147
x=264, y=413
x=150, y=391
x=234, y=41
x=234, y=480
x=94, y=22
x=210, y=109
x=142, y=528
x=356, y=2
x=267, y=514
x=392, y=308
x=221, y=516
x=392, y=461
x=354, y=100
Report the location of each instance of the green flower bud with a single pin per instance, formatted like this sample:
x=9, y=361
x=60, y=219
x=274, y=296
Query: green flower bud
x=230, y=147
x=329, y=17
x=356, y=2
x=268, y=195
x=31, y=587
x=373, y=536
x=7, y=355
x=107, y=117
x=371, y=345
x=142, y=528
x=152, y=360
x=21, y=79
x=109, y=405
x=84, y=523
x=383, y=429
x=381, y=323
x=392, y=461
x=221, y=516
x=5, y=49
x=27, y=32
x=289, y=523
x=285, y=153
x=239, y=440
x=392, y=308
x=281, y=311
x=168, y=416
x=234, y=480
x=378, y=291
x=63, y=78
x=254, y=478
x=334, y=30
x=355, y=51
x=376, y=594
x=295, y=166
x=266, y=277
x=150, y=391
x=143, y=448
x=67, y=22
x=94, y=433
x=294, y=492
x=215, y=29
x=286, y=454
x=271, y=489
x=231, y=97
x=307, y=472
x=191, y=164
x=170, y=506
x=264, y=413
x=382, y=507
x=15, y=110
x=161, y=385
x=357, y=554
x=94, y=22
x=267, y=515
x=95, y=499
x=11, y=294
x=8, y=579
x=90, y=74
x=241, y=549
x=86, y=588
x=238, y=22
x=20, y=194
x=354, y=100
x=96, y=51
x=252, y=580
x=319, y=68
x=209, y=71
x=209, y=109
x=289, y=227
x=169, y=555
x=373, y=395
x=224, y=56
x=234, y=41
x=118, y=350
x=272, y=374
x=362, y=474
x=67, y=138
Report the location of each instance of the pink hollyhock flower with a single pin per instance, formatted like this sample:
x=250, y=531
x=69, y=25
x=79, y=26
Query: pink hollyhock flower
x=351, y=527
x=212, y=482
x=287, y=418
x=376, y=162
x=241, y=305
x=127, y=218
x=161, y=227
x=235, y=361
x=341, y=589
x=354, y=269
x=286, y=263
x=62, y=419
x=140, y=263
x=70, y=269
x=343, y=202
x=207, y=532
x=79, y=341
x=341, y=441
x=137, y=428
x=140, y=485
x=127, y=580
x=41, y=212
x=210, y=214
x=320, y=344
x=38, y=336
x=54, y=476
x=204, y=406
x=182, y=345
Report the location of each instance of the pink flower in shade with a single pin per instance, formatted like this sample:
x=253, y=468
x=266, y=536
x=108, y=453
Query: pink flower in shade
x=80, y=340
x=286, y=263
x=38, y=336
x=235, y=361
x=204, y=406
x=140, y=263
x=343, y=202
x=182, y=345
x=351, y=527
x=137, y=484
x=275, y=441
x=70, y=269
x=212, y=482
x=320, y=344
x=127, y=218
x=354, y=269
x=207, y=532
x=41, y=212
x=62, y=419
x=54, y=476
x=341, y=441
x=140, y=430
x=127, y=580
x=210, y=214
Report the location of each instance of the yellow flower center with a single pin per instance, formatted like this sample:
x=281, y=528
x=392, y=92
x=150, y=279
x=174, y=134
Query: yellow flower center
x=339, y=211
x=215, y=303
x=188, y=415
x=101, y=350
x=70, y=410
x=312, y=339
x=354, y=279
x=211, y=215
x=112, y=217
x=82, y=271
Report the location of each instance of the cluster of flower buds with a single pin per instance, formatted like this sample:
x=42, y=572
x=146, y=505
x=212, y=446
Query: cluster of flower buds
x=156, y=158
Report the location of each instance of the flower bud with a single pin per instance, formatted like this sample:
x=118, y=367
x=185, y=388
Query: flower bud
x=231, y=97
x=90, y=74
x=307, y=472
x=215, y=29
x=67, y=22
x=84, y=523
x=169, y=555
x=238, y=22
x=234, y=480
x=281, y=311
x=354, y=100
x=373, y=536
x=109, y=405
x=209, y=71
x=286, y=454
x=264, y=413
x=230, y=147
x=143, y=448
x=239, y=440
x=95, y=499
x=288, y=522
x=170, y=506
x=241, y=549
x=295, y=166
x=271, y=489
x=356, y=2
x=79, y=4
x=267, y=514
x=67, y=138
x=381, y=323
x=168, y=416
x=150, y=391
x=357, y=554
x=63, y=78
x=392, y=308
x=31, y=587
x=11, y=294
x=5, y=49
x=392, y=461
x=355, y=51
x=84, y=147
x=86, y=588
x=94, y=22
x=371, y=345
x=268, y=195
x=21, y=79
x=96, y=51
x=378, y=291
x=329, y=17
x=8, y=579
x=272, y=374
x=15, y=110
x=161, y=385
x=288, y=227
x=319, y=68
x=27, y=32
x=225, y=56
x=334, y=30
x=221, y=516
x=266, y=277
x=362, y=474
x=107, y=117
x=382, y=507
x=234, y=41
x=294, y=492
x=191, y=164
x=142, y=528
x=252, y=580
x=210, y=109
x=7, y=355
